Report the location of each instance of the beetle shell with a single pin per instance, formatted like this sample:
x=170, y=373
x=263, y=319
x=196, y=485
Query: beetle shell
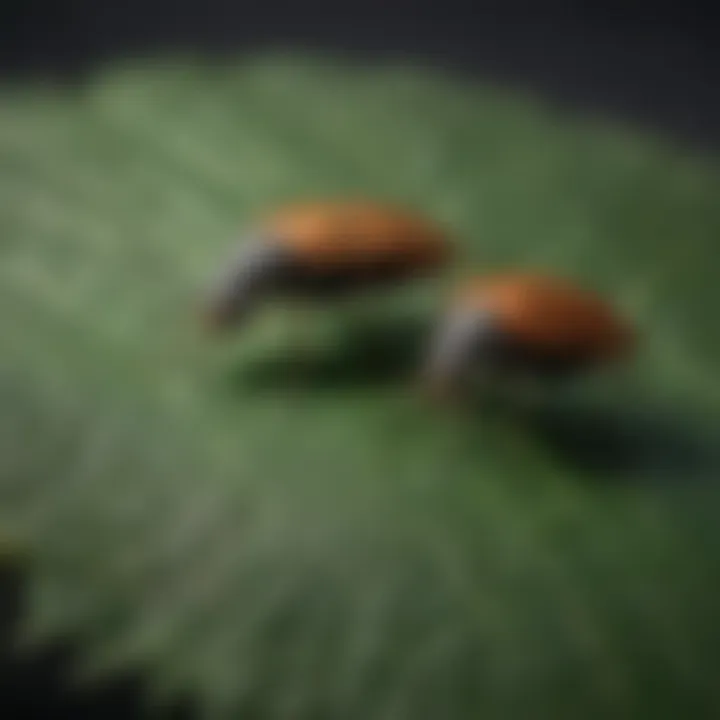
x=550, y=317
x=360, y=238
x=325, y=251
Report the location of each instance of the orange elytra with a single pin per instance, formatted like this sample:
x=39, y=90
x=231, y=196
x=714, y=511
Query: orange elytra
x=538, y=324
x=322, y=251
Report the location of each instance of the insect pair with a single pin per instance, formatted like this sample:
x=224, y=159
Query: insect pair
x=507, y=326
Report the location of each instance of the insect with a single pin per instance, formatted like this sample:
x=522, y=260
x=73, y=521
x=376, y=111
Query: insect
x=525, y=325
x=323, y=252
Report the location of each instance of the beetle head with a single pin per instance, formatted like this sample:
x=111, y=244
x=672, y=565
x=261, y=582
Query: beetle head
x=458, y=343
x=243, y=284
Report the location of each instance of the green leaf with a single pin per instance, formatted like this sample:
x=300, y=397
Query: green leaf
x=293, y=541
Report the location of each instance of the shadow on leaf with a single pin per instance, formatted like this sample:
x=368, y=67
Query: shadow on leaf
x=635, y=441
x=643, y=444
x=378, y=354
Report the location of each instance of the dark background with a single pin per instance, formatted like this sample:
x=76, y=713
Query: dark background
x=656, y=63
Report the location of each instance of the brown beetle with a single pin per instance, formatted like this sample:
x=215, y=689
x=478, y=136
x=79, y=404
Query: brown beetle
x=325, y=251
x=526, y=325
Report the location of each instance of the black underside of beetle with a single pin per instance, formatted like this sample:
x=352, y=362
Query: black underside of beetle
x=507, y=354
x=302, y=280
